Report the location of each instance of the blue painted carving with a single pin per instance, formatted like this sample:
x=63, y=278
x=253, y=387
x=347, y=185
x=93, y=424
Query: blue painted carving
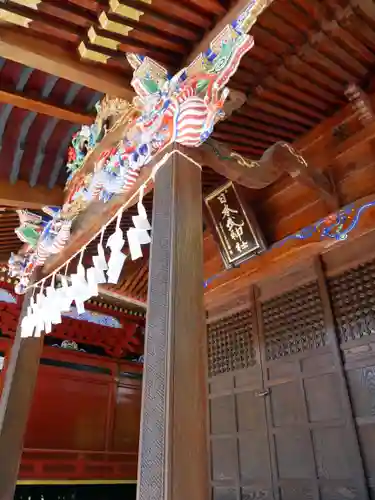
x=336, y=226
x=7, y=297
x=94, y=317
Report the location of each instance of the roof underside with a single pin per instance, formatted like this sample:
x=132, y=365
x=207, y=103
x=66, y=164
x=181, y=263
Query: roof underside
x=306, y=53
x=33, y=145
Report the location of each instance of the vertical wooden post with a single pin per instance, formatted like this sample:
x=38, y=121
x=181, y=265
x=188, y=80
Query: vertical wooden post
x=15, y=403
x=173, y=455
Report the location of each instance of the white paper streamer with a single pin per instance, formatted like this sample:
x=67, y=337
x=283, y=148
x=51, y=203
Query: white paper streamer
x=116, y=261
x=115, y=265
x=138, y=235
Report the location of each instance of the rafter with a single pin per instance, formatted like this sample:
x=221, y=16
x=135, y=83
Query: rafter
x=22, y=195
x=44, y=108
x=19, y=46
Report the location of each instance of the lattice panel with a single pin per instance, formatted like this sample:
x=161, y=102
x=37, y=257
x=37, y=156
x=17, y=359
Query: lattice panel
x=293, y=322
x=230, y=343
x=353, y=301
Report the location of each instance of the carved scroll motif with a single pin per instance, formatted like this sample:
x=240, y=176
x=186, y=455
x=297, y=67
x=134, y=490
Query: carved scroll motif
x=279, y=158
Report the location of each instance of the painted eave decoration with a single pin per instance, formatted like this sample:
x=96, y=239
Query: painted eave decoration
x=336, y=226
x=112, y=28
x=18, y=19
x=181, y=108
x=159, y=115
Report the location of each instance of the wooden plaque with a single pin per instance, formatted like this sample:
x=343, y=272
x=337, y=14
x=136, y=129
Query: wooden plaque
x=234, y=224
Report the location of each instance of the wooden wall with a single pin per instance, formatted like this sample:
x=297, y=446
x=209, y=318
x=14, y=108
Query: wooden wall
x=84, y=422
x=291, y=382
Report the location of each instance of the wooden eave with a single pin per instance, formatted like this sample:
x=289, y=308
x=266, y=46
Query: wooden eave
x=306, y=53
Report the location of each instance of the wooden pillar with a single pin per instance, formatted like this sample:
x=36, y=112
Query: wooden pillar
x=15, y=403
x=173, y=454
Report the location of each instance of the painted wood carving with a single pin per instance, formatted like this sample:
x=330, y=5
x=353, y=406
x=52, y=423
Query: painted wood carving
x=116, y=342
x=182, y=108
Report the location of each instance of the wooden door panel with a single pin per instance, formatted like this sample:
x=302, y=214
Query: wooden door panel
x=240, y=461
x=254, y=457
x=339, y=491
x=333, y=458
x=224, y=459
x=250, y=411
x=367, y=440
x=127, y=416
x=353, y=300
x=323, y=405
x=281, y=423
x=293, y=453
x=311, y=439
x=286, y=404
x=220, y=493
x=296, y=491
x=222, y=415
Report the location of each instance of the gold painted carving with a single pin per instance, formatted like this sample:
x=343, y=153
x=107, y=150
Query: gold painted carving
x=124, y=10
x=110, y=26
x=245, y=162
x=101, y=40
x=92, y=55
x=113, y=26
x=18, y=19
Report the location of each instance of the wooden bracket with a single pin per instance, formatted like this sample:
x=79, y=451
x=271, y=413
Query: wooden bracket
x=321, y=183
x=279, y=158
x=287, y=159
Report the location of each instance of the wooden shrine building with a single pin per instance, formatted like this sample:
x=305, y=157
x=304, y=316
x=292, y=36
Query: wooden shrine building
x=254, y=306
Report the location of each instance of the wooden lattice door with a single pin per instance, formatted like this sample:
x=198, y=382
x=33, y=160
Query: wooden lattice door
x=240, y=460
x=281, y=423
x=353, y=299
x=313, y=442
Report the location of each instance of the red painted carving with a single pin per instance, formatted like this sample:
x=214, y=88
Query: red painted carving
x=117, y=342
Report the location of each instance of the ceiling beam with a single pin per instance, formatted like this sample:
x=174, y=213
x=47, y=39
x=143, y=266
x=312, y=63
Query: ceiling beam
x=240, y=171
x=44, y=108
x=19, y=46
x=22, y=195
x=233, y=13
